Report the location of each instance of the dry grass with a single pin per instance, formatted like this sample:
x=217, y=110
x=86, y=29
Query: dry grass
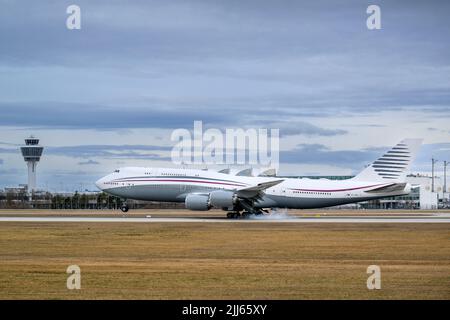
x=210, y=213
x=221, y=261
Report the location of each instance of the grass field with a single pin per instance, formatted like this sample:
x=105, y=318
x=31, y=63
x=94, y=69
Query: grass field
x=224, y=261
x=207, y=214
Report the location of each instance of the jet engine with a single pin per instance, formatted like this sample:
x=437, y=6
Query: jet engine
x=222, y=199
x=219, y=199
x=198, y=202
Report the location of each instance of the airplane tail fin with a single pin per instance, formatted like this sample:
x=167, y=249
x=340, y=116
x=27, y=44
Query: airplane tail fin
x=394, y=164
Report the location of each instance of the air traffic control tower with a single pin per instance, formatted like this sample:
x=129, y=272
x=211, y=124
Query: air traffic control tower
x=31, y=154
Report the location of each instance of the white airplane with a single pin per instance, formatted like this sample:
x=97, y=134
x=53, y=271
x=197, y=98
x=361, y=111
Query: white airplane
x=203, y=190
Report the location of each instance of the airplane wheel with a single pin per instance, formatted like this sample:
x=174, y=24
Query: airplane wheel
x=233, y=215
x=124, y=208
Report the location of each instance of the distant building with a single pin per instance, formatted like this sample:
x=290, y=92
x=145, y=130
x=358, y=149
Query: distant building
x=427, y=198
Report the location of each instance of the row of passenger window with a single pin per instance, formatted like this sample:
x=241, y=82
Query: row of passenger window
x=313, y=192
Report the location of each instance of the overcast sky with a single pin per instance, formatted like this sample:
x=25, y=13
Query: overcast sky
x=110, y=94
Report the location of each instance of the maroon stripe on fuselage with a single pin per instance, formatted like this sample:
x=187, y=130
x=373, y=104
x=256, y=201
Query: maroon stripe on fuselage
x=338, y=190
x=183, y=180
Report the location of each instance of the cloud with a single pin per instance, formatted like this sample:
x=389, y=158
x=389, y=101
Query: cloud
x=8, y=144
x=148, y=152
x=439, y=151
x=86, y=116
x=201, y=30
x=290, y=128
x=110, y=152
x=303, y=55
x=88, y=162
x=8, y=150
x=307, y=68
x=70, y=115
x=12, y=171
x=319, y=154
x=1, y=161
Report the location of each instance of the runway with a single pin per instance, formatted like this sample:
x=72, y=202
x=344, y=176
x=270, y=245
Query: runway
x=437, y=218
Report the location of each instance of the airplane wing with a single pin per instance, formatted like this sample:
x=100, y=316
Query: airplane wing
x=249, y=195
x=262, y=186
x=253, y=191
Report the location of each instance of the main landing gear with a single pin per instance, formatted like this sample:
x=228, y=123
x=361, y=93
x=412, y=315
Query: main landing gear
x=233, y=215
x=245, y=214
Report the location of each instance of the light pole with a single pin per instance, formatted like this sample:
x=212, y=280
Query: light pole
x=433, y=161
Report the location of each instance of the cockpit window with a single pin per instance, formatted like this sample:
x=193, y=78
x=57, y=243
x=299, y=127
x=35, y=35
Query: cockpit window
x=117, y=170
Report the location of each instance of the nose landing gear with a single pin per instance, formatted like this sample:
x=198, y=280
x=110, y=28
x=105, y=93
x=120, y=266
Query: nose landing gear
x=124, y=207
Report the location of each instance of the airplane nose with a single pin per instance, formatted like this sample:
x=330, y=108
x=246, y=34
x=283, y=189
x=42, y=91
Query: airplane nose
x=99, y=183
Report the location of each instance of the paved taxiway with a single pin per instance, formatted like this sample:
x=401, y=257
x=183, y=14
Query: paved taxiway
x=436, y=218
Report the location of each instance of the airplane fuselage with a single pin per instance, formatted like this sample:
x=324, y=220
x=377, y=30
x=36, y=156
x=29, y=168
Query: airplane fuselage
x=174, y=185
